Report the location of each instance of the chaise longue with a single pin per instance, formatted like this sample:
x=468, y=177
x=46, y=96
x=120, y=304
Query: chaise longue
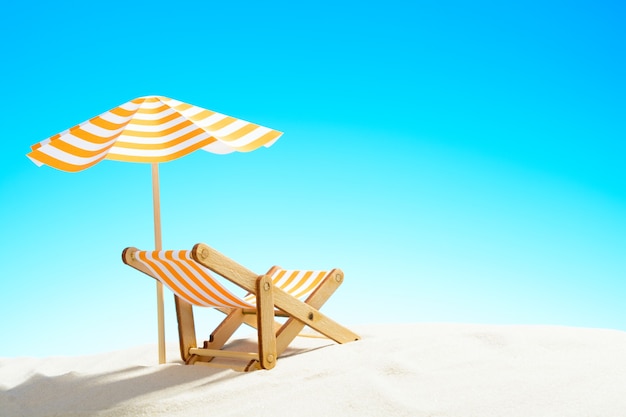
x=194, y=276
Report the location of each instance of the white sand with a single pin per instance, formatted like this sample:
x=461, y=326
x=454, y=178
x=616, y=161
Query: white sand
x=396, y=370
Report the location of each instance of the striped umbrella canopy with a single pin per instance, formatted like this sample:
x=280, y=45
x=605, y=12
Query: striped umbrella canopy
x=150, y=129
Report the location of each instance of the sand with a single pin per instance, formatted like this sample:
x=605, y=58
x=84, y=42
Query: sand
x=443, y=370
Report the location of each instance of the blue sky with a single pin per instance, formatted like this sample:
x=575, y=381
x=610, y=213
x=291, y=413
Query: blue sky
x=460, y=161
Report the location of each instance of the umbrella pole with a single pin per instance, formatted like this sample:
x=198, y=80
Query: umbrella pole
x=157, y=245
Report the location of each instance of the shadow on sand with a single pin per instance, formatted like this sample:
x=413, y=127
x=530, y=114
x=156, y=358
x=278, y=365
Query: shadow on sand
x=84, y=394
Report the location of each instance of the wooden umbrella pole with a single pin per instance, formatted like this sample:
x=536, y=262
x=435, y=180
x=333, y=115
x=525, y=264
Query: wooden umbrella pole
x=157, y=245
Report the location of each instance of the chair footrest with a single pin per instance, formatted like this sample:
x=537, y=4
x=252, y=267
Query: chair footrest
x=216, y=353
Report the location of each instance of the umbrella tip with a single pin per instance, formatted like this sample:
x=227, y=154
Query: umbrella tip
x=151, y=96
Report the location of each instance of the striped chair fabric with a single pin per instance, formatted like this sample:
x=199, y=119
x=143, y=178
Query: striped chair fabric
x=196, y=284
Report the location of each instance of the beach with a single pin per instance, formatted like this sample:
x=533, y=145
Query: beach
x=446, y=370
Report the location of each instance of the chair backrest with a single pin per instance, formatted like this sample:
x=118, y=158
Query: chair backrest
x=188, y=279
x=298, y=283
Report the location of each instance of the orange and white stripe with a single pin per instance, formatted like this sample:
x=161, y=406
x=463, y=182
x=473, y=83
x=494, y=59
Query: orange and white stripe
x=188, y=279
x=297, y=283
x=195, y=284
x=149, y=129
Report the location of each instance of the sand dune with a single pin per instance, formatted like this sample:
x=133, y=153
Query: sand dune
x=454, y=370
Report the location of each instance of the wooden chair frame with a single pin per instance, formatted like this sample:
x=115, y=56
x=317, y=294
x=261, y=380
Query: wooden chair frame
x=273, y=337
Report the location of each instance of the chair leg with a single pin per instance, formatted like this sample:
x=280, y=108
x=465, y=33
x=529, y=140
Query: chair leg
x=265, y=322
x=186, y=327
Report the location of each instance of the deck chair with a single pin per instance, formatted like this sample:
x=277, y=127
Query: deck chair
x=296, y=295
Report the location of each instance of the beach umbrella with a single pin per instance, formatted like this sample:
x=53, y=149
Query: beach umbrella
x=151, y=130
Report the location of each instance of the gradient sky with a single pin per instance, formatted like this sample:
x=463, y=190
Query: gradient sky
x=460, y=161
